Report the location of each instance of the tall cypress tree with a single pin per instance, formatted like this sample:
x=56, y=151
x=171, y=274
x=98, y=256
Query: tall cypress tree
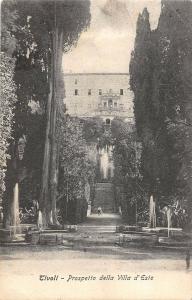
x=163, y=117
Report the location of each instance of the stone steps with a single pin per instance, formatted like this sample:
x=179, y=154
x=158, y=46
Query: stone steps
x=104, y=197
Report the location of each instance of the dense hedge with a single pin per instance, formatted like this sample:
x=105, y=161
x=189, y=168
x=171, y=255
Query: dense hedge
x=8, y=99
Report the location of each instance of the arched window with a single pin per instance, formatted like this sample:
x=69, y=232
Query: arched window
x=108, y=121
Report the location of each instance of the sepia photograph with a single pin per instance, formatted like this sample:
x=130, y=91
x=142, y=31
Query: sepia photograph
x=96, y=150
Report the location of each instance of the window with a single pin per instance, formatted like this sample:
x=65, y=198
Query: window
x=121, y=91
x=115, y=104
x=76, y=92
x=110, y=103
x=100, y=91
x=108, y=121
x=89, y=92
x=75, y=81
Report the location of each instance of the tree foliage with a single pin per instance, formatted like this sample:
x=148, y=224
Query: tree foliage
x=76, y=170
x=127, y=178
x=161, y=81
x=42, y=31
x=8, y=101
x=93, y=129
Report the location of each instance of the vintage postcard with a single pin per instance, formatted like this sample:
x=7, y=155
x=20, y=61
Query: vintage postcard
x=96, y=150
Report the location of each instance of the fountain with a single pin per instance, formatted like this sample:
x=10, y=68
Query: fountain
x=40, y=220
x=15, y=210
x=106, y=162
x=152, y=213
x=168, y=221
x=13, y=230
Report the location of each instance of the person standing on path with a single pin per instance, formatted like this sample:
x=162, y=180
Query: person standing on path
x=99, y=210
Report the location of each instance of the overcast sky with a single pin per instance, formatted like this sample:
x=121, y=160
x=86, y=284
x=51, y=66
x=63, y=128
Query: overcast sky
x=108, y=42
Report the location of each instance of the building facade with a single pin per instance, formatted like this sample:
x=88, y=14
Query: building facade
x=105, y=95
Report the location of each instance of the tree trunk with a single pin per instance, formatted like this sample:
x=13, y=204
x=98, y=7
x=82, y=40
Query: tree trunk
x=44, y=205
x=48, y=194
x=58, y=41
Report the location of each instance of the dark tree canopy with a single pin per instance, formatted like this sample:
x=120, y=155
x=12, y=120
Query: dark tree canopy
x=41, y=31
x=160, y=76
